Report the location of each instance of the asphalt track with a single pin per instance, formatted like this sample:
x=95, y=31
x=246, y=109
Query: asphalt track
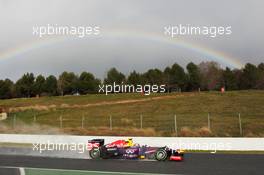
x=196, y=164
x=9, y=171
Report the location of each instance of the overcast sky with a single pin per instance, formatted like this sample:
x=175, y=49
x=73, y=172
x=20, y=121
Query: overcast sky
x=130, y=32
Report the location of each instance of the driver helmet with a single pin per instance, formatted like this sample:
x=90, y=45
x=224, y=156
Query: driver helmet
x=129, y=142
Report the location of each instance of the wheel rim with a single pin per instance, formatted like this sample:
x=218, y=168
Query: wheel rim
x=95, y=153
x=161, y=155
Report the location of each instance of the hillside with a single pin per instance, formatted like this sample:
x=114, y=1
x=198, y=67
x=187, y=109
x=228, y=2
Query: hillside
x=136, y=114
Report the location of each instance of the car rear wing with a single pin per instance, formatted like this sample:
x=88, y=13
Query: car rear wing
x=95, y=143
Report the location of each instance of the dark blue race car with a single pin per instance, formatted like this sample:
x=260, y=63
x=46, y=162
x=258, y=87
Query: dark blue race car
x=122, y=149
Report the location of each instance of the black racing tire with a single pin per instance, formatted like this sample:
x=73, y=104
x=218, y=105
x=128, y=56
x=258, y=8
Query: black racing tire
x=161, y=155
x=95, y=153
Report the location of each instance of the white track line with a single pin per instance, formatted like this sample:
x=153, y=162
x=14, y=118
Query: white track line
x=22, y=171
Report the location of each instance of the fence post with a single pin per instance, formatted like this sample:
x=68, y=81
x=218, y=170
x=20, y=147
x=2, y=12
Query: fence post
x=14, y=121
x=240, y=125
x=110, y=120
x=61, y=121
x=83, y=121
x=141, y=121
x=208, y=121
x=175, y=125
x=35, y=118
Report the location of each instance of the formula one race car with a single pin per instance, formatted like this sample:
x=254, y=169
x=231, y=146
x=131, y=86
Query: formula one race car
x=126, y=149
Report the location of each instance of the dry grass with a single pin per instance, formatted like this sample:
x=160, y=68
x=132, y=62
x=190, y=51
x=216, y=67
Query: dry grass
x=201, y=132
x=23, y=128
x=117, y=131
x=205, y=132
x=35, y=107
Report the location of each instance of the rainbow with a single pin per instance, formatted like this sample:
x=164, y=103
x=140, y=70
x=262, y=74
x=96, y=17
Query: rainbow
x=197, y=48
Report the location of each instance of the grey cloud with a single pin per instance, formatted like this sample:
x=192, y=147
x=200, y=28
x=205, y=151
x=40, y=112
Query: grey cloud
x=18, y=17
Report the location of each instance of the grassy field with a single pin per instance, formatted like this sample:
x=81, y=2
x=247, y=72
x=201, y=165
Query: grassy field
x=136, y=114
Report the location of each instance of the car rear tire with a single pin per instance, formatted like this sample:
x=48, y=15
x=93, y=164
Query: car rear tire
x=95, y=153
x=161, y=155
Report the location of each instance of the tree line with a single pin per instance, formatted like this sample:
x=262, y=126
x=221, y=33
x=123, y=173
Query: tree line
x=204, y=76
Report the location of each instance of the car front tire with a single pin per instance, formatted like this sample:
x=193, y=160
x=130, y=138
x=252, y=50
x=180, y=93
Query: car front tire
x=161, y=155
